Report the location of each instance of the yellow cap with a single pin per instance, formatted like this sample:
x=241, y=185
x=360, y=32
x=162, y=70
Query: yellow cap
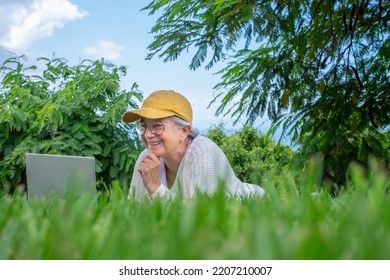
x=161, y=104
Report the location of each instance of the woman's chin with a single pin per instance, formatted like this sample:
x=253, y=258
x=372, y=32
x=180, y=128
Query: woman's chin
x=155, y=150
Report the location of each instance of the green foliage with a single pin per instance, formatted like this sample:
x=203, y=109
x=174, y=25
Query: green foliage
x=285, y=224
x=340, y=151
x=70, y=110
x=319, y=70
x=251, y=154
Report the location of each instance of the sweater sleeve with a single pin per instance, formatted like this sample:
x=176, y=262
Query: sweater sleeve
x=207, y=168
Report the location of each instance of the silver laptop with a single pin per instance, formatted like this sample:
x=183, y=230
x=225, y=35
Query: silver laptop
x=58, y=175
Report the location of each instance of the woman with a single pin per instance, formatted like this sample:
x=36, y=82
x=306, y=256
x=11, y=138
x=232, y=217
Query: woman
x=178, y=160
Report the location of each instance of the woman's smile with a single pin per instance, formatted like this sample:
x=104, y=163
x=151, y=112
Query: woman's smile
x=154, y=143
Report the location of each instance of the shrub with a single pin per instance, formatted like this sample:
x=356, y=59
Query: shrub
x=251, y=154
x=70, y=110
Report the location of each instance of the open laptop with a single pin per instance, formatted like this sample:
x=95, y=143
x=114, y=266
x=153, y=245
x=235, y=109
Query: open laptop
x=58, y=175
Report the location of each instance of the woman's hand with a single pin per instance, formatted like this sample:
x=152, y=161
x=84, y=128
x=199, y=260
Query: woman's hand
x=149, y=168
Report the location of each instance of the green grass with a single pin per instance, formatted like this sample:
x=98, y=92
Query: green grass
x=286, y=224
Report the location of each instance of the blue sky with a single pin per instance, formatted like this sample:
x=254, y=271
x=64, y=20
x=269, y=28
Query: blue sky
x=116, y=30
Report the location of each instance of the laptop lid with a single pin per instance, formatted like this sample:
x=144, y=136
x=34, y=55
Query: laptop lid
x=59, y=174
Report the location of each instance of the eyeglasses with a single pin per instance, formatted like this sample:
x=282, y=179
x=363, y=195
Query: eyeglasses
x=156, y=127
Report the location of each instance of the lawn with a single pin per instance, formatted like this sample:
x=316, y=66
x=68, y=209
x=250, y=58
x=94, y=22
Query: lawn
x=295, y=220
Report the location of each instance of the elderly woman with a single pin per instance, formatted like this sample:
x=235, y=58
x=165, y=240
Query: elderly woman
x=177, y=160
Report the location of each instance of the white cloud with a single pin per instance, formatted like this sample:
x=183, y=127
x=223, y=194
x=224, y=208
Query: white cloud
x=23, y=23
x=105, y=49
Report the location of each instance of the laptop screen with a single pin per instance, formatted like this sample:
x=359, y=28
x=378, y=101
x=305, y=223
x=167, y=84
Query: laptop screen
x=59, y=174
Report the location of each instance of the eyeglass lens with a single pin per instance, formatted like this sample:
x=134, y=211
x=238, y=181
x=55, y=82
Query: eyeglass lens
x=156, y=127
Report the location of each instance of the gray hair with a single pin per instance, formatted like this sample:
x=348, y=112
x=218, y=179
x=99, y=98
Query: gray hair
x=180, y=123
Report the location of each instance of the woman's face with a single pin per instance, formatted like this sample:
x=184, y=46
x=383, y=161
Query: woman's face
x=161, y=136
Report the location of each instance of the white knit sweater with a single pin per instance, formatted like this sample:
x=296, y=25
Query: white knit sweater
x=203, y=168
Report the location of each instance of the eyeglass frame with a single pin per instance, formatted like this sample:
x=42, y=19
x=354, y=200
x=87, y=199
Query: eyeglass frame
x=141, y=127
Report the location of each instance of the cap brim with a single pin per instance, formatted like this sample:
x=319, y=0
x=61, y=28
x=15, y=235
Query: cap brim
x=149, y=113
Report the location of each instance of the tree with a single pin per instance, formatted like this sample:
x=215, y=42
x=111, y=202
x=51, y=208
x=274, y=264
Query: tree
x=318, y=69
x=71, y=110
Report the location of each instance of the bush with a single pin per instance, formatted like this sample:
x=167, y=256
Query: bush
x=70, y=110
x=251, y=154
